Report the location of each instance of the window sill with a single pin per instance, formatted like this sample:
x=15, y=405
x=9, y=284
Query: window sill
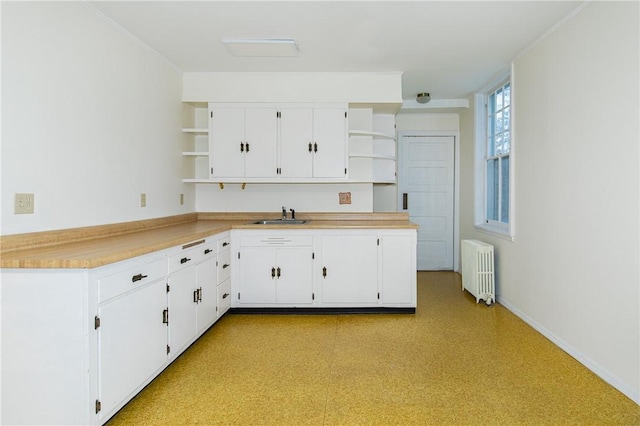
x=496, y=231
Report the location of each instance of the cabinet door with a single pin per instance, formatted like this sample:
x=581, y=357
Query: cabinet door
x=330, y=135
x=226, y=134
x=208, y=293
x=349, y=269
x=398, y=270
x=257, y=275
x=295, y=280
x=182, y=308
x=296, y=135
x=261, y=142
x=132, y=342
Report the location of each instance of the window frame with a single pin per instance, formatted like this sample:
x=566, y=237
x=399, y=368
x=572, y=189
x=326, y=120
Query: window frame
x=481, y=99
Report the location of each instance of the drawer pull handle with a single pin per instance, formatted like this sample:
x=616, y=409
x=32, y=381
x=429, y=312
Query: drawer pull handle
x=138, y=277
x=278, y=272
x=324, y=272
x=207, y=251
x=241, y=146
x=226, y=265
x=273, y=273
x=224, y=296
x=226, y=243
x=165, y=316
x=195, y=296
x=310, y=147
x=199, y=291
x=184, y=260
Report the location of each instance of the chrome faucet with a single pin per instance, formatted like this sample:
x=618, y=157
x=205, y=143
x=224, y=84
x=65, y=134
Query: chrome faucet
x=284, y=213
x=293, y=214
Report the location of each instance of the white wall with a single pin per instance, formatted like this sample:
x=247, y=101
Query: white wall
x=271, y=198
x=573, y=269
x=90, y=119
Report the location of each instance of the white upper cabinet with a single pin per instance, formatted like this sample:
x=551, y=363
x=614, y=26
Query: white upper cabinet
x=277, y=143
x=242, y=142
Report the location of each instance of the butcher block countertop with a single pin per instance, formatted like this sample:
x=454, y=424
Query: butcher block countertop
x=94, y=246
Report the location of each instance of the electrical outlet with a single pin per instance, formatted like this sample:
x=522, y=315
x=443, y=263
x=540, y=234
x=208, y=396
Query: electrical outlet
x=143, y=200
x=181, y=199
x=23, y=204
x=344, y=197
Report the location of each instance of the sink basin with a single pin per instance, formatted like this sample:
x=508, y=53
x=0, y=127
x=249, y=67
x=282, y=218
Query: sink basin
x=280, y=222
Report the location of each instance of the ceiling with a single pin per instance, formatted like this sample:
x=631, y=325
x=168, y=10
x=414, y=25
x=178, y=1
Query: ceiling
x=447, y=48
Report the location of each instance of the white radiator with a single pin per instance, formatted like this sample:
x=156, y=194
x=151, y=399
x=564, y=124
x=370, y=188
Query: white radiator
x=477, y=270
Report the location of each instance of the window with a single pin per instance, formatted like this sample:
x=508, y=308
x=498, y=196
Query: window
x=493, y=160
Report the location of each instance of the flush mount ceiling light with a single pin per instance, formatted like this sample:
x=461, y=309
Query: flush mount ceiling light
x=423, y=98
x=265, y=47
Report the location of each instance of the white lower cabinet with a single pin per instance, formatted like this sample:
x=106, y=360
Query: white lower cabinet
x=78, y=344
x=369, y=268
x=275, y=269
x=349, y=270
x=132, y=343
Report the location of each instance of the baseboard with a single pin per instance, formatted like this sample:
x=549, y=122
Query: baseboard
x=322, y=311
x=604, y=374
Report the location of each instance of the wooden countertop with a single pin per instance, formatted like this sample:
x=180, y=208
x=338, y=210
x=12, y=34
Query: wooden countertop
x=90, y=247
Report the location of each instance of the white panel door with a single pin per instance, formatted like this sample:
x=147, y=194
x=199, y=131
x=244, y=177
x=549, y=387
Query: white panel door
x=330, y=142
x=427, y=193
x=182, y=308
x=226, y=142
x=132, y=342
x=294, y=276
x=296, y=142
x=349, y=269
x=261, y=142
x=257, y=275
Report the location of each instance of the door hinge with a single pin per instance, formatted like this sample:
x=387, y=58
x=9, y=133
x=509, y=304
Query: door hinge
x=345, y=114
x=96, y=322
x=313, y=296
x=168, y=288
x=168, y=349
x=238, y=295
x=238, y=255
x=313, y=255
x=378, y=295
x=98, y=406
x=345, y=170
x=212, y=170
x=279, y=114
x=378, y=241
x=211, y=114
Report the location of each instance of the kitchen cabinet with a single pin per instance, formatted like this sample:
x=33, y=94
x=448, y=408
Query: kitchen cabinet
x=132, y=342
x=349, y=265
x=275, y=269
x=97, y=336
x=277, y=142
x=223, y=275
x=192, y=290
x=243, y=142
x=398, y=268
x=313, y=142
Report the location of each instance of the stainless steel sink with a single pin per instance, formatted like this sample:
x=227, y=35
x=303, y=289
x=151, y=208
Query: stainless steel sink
x=280, y=222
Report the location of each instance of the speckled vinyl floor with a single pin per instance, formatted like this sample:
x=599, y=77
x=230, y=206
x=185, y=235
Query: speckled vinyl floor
x=454, y=362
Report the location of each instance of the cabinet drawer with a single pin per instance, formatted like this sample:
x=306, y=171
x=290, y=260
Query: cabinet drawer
x=121, y=282
x=276, y=241
x=224, y=297
x=224, y=243
x=224, y=266
x=190, y=255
